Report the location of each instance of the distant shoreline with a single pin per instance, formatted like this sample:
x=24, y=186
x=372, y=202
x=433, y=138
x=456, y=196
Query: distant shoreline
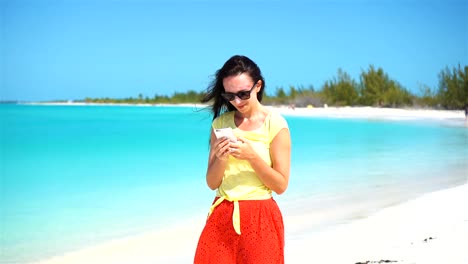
x=375, y=113
x=356, y=112
x=107, y=104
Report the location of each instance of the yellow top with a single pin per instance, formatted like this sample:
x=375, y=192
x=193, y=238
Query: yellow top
x=240, y=182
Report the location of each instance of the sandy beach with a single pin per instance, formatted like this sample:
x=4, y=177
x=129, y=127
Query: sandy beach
x=375, y=113
x=432, y=228
x=364, y=112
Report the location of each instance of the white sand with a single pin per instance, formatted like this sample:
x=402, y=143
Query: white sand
x=175, y=244
x=375, y=113
x=395, y=233
x=337, y=112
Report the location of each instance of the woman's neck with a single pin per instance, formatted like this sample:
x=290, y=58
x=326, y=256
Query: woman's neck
x=256, y=110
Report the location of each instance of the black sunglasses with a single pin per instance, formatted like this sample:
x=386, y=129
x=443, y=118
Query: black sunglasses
x=243, y=95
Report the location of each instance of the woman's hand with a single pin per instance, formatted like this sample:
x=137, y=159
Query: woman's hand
x=242, y=149
x=221, y=148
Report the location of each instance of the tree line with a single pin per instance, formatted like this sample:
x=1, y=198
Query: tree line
x=374, y=88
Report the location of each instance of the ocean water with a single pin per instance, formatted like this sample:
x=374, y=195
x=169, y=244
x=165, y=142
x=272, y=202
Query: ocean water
x=73, y=176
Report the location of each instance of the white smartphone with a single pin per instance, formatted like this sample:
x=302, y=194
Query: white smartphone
x=225, y=132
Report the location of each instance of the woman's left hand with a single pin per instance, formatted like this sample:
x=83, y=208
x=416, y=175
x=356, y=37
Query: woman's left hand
x=242, y=149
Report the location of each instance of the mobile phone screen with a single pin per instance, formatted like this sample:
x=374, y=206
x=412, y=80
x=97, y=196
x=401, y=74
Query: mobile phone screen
x=225, y=132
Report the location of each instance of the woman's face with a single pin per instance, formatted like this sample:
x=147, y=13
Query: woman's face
x=240, y=86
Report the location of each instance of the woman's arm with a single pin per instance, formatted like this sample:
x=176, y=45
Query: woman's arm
x=276, y=177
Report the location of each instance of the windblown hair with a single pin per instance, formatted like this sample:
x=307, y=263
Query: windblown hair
x=236, y=65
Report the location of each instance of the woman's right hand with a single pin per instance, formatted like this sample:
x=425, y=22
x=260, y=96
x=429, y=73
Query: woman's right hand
x=219, y=154
x=221, y=148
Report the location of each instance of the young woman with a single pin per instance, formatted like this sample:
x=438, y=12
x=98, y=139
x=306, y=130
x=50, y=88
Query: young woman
x=245, y=224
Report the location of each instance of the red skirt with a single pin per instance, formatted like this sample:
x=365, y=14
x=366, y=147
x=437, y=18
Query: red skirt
x=261, y=240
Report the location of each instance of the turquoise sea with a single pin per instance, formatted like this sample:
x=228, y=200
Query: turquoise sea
x=74, y=176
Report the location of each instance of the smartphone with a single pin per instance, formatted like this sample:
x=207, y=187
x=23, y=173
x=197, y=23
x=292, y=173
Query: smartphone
x=225, y=132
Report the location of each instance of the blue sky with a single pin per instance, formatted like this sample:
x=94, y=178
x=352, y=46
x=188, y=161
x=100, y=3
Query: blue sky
x=71, y=49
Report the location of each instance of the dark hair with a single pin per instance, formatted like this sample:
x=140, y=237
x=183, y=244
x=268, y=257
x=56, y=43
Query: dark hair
x=236, y=65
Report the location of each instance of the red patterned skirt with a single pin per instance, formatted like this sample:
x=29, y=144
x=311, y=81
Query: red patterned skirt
x=261, y=240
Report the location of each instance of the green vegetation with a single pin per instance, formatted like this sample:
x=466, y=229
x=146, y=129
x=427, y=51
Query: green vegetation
x=177, y=98
x=453, y=88
x=341, y=90
x=378, y=89
x=375, y=88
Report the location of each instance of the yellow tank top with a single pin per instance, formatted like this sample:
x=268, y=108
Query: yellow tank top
x=240, y=182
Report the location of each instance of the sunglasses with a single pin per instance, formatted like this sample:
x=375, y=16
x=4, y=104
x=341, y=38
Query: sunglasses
x=243, y=95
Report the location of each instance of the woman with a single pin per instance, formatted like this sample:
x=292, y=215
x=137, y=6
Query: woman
x=245, y=224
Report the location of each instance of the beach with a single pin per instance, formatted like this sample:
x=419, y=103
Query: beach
x=432, y=228
x=428, y=228
x=368, y=112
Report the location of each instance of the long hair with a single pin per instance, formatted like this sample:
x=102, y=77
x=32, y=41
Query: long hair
x=236, y=65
